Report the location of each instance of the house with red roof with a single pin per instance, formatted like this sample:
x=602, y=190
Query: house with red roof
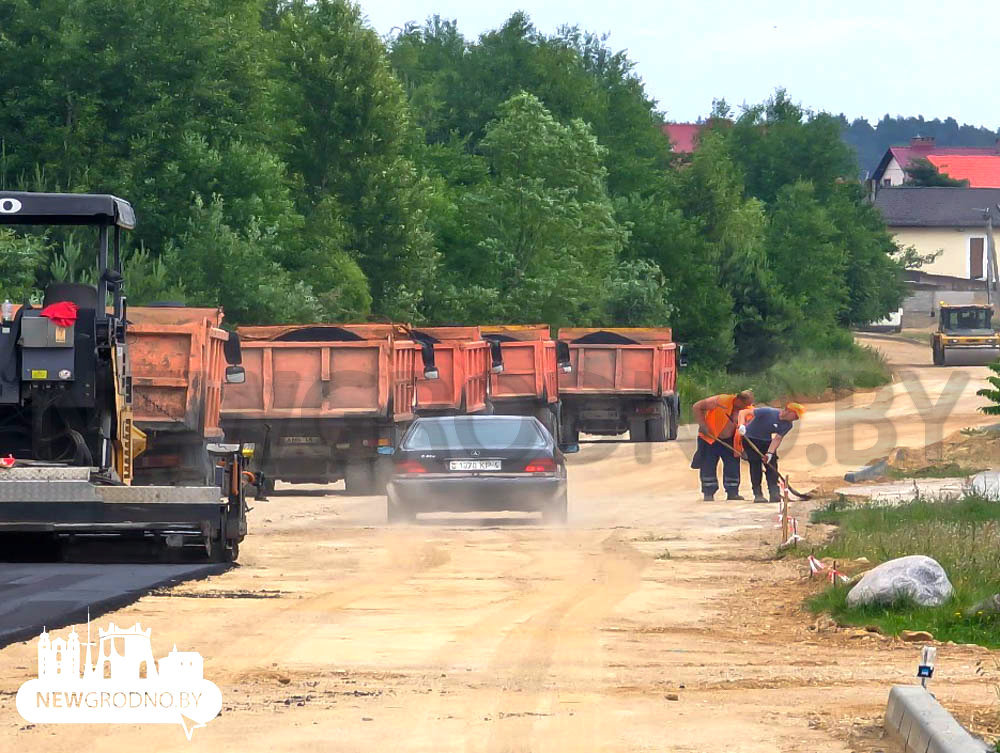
x=683, y=136
x=981, y=170
x=980, y=165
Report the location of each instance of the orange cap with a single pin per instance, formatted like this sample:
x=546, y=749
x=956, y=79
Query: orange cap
x=796, y=408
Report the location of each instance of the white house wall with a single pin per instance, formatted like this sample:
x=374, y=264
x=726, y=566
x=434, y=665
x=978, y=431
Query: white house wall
x=954, y=242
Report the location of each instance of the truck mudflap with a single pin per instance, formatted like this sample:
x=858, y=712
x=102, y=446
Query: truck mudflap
x=67, y=501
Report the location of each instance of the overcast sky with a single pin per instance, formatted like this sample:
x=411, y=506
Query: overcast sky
x=862, y=58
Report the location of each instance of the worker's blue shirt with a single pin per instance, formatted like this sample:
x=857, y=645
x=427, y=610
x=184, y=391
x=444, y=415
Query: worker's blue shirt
x=766, y=424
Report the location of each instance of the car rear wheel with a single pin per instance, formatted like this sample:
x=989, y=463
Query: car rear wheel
x=557, y=511
x=398, y=513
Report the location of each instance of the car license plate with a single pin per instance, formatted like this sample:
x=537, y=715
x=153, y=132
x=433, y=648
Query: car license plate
x=473, y=465
x=302, y=440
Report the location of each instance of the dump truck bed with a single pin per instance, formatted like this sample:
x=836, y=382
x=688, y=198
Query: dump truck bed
x=635, y=361
x=178, y=368
x=463, y=363
x=370, y=376
x=530, y=368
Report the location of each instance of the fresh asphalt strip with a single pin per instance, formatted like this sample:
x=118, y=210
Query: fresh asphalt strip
x=54, y=595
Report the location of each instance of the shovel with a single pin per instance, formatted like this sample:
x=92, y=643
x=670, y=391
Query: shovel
x=798, y=494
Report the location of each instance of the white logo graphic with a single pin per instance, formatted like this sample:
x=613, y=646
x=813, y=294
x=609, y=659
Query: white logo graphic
x=10, y=206
x=125, y=686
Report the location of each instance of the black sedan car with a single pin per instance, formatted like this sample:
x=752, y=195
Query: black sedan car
x=480, y=463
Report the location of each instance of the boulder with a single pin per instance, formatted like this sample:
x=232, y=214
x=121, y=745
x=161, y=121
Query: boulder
x=916, y=577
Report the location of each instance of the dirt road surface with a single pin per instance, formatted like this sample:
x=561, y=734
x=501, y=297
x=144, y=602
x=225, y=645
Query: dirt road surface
x=653, y=622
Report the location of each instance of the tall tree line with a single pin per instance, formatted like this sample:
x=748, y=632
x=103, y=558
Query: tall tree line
x=290, y=165
x=871, y=141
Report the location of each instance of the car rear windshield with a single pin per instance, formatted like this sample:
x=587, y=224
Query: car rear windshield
x=472, y=432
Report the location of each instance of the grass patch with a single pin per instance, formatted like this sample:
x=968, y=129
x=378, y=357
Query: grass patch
x=963, y=535
x=805, y=375
x=947, y=470
x=918, y=336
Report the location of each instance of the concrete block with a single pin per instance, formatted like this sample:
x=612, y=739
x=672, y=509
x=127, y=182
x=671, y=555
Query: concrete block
x=919, y=724
x=868, y=472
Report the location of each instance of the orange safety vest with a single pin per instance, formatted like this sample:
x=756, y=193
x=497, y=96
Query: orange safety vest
x=720, y=418
x=746, y=416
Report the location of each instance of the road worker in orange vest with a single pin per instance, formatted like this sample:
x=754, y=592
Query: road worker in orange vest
x=764, y=428
x=717, y=418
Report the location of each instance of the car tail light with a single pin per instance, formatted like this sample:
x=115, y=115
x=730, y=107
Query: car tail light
x=540, y=465
x=410, y=466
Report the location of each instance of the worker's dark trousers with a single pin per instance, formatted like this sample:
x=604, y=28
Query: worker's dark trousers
x=709, y=469
x=758, y=469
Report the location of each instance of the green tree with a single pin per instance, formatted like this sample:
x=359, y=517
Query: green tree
x=351, y=145
x=807, y=262
x=21, y=260
x=873, y=263
x=702, y=312
x=549, y=238
x=710, y=192
x=778, y=143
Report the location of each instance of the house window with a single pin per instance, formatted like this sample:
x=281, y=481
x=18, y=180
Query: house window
x=886, y=182
x=977, y=258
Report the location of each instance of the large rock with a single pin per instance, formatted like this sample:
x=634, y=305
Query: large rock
x=916, y=577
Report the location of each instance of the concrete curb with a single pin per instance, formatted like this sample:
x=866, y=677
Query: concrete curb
x=868, y=472
x=919, y=724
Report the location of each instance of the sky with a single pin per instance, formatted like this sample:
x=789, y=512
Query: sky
x=865, y=59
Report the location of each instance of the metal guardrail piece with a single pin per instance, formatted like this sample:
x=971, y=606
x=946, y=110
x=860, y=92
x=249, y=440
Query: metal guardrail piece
x=919, y=724
x=39, y=490
x=160, y=494
x=45, y=473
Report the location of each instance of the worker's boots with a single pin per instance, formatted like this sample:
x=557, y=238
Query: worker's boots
x=758, y=496
x=734, y=497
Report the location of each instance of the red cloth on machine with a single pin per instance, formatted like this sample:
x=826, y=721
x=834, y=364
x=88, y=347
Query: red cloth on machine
x=62, y=314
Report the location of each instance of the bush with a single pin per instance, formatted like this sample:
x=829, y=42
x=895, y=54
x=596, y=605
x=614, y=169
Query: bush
x=803, y=376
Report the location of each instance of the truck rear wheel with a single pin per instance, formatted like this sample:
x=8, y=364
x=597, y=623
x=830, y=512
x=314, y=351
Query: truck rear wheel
x=569, y=432
x=549, y=421
x=658, y=428
x=673, y=419
x=359, y=478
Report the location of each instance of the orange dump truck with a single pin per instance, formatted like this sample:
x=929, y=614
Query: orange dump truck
x=528, y=384
x=622, y=379
x=319, y=400
x=178, y=359
x=464, y=362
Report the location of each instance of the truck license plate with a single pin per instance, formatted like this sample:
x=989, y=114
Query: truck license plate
x=302, y=440
x=474, y=465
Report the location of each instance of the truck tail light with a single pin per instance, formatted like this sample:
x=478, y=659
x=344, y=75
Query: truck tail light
x=540, y=465
x=410, y=466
